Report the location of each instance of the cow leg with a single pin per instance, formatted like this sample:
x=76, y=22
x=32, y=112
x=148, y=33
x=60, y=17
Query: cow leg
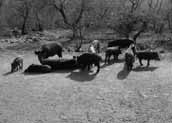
x=148, y=63
x=98, y=67
x=22, y=65
x=127, y=65
x=140, y=61
x=131, y=66
x=12, y=68
x=109, y=58
x=89, y=65
x=117, y=56
x=17, y=67
x=105, y=59
x=114, y=56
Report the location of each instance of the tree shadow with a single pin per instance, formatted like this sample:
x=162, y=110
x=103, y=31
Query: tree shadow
x=141, y=69
x=123, y=73
x=81, y=76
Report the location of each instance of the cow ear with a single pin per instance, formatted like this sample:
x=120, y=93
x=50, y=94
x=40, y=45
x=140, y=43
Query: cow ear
x=37, y=52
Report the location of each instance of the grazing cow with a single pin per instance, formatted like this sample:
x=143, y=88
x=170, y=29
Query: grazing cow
x=147, y=55
x=34, y=68
x=130, y=57
x=115, y=51
x=17, y=64
x=88, y=59
x=96, y=45
x=50, y=49
x=122, y=43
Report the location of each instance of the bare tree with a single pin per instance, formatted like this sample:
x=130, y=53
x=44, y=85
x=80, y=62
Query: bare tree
x=71, y=16
x=135, y=4
x=156, y=18
x=38, y=7
x=22, y=8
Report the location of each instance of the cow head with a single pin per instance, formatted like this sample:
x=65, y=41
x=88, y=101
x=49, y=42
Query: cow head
x=157, y=57
x=40, y=54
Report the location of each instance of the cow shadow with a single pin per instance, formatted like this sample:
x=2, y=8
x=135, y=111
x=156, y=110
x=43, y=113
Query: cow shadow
x=60, y=71
x=7, y=73
x=81, y=76
x=141, y=69
x=123, y=74
x=112, y=62
x=106, y=65
x=34, y=73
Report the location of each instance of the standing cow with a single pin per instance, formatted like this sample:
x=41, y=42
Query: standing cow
x=130, y=57
x=115, y=51
x=122, y=43
x=88, y=59
x=50, y=49
x=147, y=55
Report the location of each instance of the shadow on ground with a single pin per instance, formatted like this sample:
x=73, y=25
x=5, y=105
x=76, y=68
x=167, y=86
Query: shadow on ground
x=112, y=62
x=60, y=71
x=8, y=73
x=123, y=74
x=141, y=69
x=81, y=76
x=33, y=73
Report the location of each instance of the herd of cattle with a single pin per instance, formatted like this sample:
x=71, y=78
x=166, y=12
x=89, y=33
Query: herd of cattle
x=86, y=59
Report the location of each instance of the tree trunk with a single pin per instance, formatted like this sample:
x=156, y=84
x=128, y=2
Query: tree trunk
x=81, y=40
x=74, y=30
x=140, y=31
x=23, y=27
x=40, y=27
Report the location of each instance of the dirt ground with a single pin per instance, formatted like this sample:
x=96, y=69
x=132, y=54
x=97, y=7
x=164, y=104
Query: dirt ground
x=113, y=96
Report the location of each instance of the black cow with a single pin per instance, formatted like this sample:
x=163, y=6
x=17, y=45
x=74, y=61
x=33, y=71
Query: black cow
x=58, y=64
x=88, y=59
x=34, y=68
x=115, y=51
x=17, y=64
x=130, y=57
x=50, y=49
x=129, y=60
x=147, y=55
x=122, y=43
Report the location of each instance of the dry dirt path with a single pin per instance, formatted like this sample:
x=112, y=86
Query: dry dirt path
x=112, y=96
